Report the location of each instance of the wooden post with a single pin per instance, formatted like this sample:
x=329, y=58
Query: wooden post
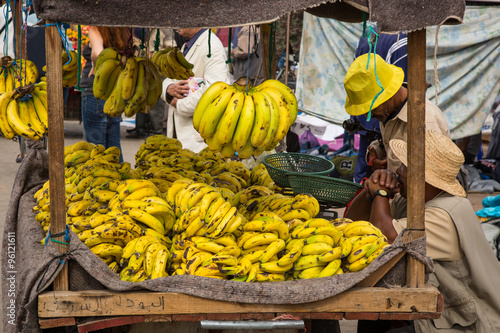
x=287, y=52
x=55, y=100
x=416, y=151
x=265, y=39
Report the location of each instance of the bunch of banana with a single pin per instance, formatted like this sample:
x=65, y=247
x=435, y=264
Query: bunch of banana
x=129, y=88
x=232, y=119
x=260, y=176
x=367, y=241
x=202, y=256
x=141, y=200
x=316, y=249
x=42, y=207
x=16, y=73
x=262, y=242
x=70, y=68
x=172, y=64
x=202, y=211
x=145, y=257
x=24, y=112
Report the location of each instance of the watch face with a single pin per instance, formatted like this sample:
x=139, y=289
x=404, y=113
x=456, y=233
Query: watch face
x=383, y=192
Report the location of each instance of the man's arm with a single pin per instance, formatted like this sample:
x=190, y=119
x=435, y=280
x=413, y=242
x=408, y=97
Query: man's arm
x=380, y=214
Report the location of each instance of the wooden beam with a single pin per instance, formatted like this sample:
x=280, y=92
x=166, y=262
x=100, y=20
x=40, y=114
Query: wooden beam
x=55, y=101
x=266, y=42
x=417, y=86
x=95, y=303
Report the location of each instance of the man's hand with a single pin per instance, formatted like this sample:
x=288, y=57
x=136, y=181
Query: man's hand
x=374, y=161
x=178, y=90
x=382, y=179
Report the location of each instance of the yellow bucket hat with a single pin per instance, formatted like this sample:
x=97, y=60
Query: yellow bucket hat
x=362, y=87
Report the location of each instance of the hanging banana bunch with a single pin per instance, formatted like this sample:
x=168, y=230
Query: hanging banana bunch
x=232, y=119
x=130, y=87
x=16, y=73
x=172, y=64
x=23, y=112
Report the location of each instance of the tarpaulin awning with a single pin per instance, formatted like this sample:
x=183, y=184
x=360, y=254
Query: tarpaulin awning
x=393, y=15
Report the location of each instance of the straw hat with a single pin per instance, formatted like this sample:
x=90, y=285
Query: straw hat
x=443, y=160
x=361, y=84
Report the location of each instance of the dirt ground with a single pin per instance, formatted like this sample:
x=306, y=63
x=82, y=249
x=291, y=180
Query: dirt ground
x=74, y=133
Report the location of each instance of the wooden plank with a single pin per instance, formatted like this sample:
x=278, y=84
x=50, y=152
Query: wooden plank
x=55, y=101
x=371, y=280
x=257, y=316
x=56, y=322
x=417, y=87
x=361, y=315
x=100, y=324
x=55, y=304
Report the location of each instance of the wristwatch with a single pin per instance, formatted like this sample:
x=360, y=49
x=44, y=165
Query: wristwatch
x=382, y=193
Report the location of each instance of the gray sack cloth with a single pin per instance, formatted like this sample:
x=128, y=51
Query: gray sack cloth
x=36, y=265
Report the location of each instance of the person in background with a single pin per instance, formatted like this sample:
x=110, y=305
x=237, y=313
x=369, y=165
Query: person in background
x=98, y=127
x=176, y=92
x=393, y=49
x=247, y=54
x=467, y=273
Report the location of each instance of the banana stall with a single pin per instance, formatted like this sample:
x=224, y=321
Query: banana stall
x=62, y=282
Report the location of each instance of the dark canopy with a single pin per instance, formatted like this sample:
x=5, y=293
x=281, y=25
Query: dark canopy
x=390, y=15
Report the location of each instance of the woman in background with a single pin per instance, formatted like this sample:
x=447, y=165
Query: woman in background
x=98, y=127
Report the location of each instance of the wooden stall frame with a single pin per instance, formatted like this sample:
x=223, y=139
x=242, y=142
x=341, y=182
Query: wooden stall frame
x=415, y=301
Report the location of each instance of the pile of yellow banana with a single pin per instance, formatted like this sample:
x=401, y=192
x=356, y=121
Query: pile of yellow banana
x=23, y=112
x=172, y=64
x=16, y=73
x=211, y=218
x=127, y=88
x=233, y=120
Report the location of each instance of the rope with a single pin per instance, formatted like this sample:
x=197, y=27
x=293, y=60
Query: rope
x=209, y=55
x=63, y=37
x=51, y=237
x=24, y=31
x=364, y=25
x=79, y=62
x=229, y=38
x=372, y=32
x=6, y=34
x=436, y=78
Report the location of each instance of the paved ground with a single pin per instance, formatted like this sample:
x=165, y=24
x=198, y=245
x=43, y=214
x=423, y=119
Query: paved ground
x=73, y=133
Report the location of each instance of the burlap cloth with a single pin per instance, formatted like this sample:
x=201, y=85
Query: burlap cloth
x=36, y=265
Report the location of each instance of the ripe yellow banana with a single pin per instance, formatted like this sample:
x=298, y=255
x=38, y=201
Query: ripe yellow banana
x=213, y=113
x=230, y=117
x=140, y=93
x=147, y=219
x=262, y=121
x=287, y=93
x=17, y=123
x=5, y=99
x=103, y=74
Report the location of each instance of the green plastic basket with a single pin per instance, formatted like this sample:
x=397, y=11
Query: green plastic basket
x=281, y=165
x=327, y=190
